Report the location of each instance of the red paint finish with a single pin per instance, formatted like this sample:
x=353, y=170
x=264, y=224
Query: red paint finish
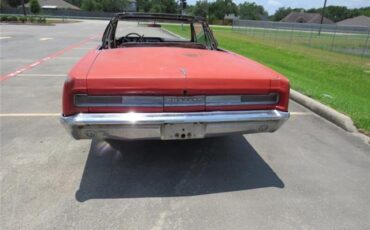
x=172, y=71
x=158, y=70
x=76, y=83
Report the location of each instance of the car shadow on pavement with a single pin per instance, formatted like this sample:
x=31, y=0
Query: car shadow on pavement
x=118, y=169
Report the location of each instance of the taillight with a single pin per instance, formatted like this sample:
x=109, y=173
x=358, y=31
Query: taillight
x=219, y=101
x=117, y=101
x=229, y=100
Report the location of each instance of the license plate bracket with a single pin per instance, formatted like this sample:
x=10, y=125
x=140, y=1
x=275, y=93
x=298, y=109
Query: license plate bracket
x=183, y=131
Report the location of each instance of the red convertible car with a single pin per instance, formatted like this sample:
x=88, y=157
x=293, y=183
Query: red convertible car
x=144, y=82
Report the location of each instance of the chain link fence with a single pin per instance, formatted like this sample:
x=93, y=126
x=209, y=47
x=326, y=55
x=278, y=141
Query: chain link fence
x=354, y=40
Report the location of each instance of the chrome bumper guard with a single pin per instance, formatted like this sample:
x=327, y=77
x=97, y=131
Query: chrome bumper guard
x=167, y=126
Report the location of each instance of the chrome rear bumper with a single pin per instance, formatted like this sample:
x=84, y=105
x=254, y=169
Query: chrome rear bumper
x=172, y=125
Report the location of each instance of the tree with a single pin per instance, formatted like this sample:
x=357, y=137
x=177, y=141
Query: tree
x=14, y=3
x=183, y=4
x=201, y=8
x=335, y=13
x=163, y=6
x=4, y=4
x=189, y=10
x=251, y=11
x=143, y=5
x=363, y=11
x=339, y=13
x=170, y=6
x=220, y=8
x=281, y=13
x=104, y=5
x=88, y=5
x=35, y=7
x=156, y=8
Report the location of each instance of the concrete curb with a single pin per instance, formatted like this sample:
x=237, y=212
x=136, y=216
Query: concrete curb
x=328, y=113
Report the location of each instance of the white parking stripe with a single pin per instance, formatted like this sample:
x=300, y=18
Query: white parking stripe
x=84, y=48
x=45, y=39
x=1, y=38
x=41, y=75
x=68, y=58
x=29, y=114
x=300, y=113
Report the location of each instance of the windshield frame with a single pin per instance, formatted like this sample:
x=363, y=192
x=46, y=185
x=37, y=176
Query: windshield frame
x=109, y=36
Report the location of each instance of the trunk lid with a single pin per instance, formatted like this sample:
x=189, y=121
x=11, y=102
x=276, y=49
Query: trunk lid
x=176, y=71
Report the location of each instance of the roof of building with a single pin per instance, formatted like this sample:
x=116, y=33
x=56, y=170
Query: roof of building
x=231, y=16
x=56, y=4
x=357, y=21
x=302, y=17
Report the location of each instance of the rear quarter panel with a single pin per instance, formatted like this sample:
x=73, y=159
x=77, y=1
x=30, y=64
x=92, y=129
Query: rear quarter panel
x=76, y=82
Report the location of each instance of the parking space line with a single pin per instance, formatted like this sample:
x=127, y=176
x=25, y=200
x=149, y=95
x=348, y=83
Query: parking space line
x=84, y=48
x=29, y=114
x=300, y=113
x=41, y=75
x=51, y=56
x=45, y=39
x=5, y=37
x=68, y=58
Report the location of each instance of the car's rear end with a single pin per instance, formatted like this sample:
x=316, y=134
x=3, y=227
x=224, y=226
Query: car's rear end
x=175, y=95
x=139, y=89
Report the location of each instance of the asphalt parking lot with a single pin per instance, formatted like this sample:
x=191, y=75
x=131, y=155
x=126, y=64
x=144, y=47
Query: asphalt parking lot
x=308, y=175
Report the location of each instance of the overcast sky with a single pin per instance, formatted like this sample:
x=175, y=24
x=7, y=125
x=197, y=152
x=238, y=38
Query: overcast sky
x=272, y=5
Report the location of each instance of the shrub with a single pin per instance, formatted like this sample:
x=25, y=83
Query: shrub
x=4, y=18
x=31, y=18
x=35, y=6
x=22, y=19
x=13, y=19
x=41, y=19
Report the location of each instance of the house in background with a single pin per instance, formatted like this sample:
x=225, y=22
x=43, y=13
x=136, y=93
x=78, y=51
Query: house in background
x=231, y=17
x=55, y=4
x=302, y=17
x=357, y=21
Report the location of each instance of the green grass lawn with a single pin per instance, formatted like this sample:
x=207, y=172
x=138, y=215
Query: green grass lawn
x=338, y=80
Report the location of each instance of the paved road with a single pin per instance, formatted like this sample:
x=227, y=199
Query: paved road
x=308, y=175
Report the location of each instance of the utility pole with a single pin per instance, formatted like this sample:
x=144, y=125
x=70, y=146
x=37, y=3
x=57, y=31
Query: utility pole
x=183, y=6
x=322, y=16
